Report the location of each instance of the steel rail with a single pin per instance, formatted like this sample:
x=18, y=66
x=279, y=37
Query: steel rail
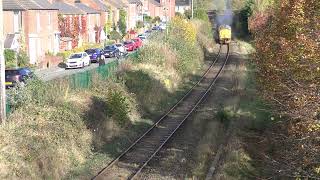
x=160, y=120
x=186, y=117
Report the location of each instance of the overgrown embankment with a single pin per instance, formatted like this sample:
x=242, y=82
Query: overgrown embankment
x=57, y=132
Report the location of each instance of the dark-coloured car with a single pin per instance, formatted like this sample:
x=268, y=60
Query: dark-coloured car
x=18, y=75
x=111, y=51
x=95, y=54
x=156, y=28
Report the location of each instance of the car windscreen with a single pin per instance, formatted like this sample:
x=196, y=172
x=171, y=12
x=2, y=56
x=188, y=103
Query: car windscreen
x=118, y=45
x=75, y=56
x=11, y=72
x=91, y=51
x=127, y=42
x=109, y=48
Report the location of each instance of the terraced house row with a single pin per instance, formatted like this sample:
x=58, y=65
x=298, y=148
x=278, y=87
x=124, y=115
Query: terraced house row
x=42, y=27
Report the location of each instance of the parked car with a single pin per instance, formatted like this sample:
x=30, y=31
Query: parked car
x=163, y=26
x=138, y=42
x=156, y=28
x=130, y=45
x=143, y=37
x=78, y=60
x=18, y=75
x=95, y=54
x=111, y=51
x=121, y=48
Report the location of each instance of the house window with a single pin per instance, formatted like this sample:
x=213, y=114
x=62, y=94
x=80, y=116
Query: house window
x=17, y=21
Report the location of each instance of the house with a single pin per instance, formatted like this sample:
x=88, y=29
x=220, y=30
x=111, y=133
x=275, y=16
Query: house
x=168, y=10
x=72, y=25
x=115, y=7
x=182, y=6
x=151, y=8
x=104, y=10
x=31, y=25
x=93, y=21
x=134, y=13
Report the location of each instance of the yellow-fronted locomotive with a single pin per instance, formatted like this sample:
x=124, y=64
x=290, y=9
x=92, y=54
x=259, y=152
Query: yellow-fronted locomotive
x=224, y=34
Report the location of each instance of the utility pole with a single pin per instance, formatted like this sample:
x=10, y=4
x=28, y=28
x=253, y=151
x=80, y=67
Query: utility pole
x=2, y=72
x=192, y=9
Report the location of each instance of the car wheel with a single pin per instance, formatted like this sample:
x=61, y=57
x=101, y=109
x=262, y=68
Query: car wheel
x=82, y=65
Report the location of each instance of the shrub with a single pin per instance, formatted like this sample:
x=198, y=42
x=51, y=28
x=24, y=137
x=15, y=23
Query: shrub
x=115, y=35
x=201, y=14
x=23, y=59
x=147, y=19
x=118, y=107
x=139, y=24
x=188, y=13
x=184, y=29
x=10, y=58
x=156, y=19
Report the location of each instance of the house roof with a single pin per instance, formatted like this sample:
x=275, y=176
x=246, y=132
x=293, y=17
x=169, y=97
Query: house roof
x=117, y=4
x=183, y=3
x=44, y=4
x=86, y=8
x=26, y=5
x=135, y=2
x=155, y=2
x=102, y=5
x=65, y=8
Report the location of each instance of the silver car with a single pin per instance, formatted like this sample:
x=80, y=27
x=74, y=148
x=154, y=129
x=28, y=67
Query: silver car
x=121, y=48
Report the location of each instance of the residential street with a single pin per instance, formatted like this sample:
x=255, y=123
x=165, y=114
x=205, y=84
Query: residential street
x=57, y=72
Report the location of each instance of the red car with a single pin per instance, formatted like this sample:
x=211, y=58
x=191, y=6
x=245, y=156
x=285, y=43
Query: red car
x=130, y=45
x=138, y=42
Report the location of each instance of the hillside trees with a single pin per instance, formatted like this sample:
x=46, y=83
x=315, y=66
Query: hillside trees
x=287, y=42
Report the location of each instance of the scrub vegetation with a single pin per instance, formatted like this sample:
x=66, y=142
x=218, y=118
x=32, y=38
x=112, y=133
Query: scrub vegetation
x=57, y=132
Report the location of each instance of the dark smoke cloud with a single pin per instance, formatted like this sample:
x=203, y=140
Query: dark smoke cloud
x=225, y=13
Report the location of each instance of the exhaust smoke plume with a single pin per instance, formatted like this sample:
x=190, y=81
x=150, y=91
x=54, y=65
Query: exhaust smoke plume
x=225, y=13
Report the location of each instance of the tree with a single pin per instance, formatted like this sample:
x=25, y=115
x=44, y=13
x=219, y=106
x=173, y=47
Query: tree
x=139, y=24
x=156, y=19
x=122, y=22
x=188, y=13
x=287, y=58
x=115, y=35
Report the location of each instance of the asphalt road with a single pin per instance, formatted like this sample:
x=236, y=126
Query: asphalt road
x=57, y=72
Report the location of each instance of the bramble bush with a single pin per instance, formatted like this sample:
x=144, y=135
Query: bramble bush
x=287, y=58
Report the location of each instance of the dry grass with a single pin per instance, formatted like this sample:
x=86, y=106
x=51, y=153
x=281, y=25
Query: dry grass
x=42, y=142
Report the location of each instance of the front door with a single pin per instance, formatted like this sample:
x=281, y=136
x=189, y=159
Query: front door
x=33, y=50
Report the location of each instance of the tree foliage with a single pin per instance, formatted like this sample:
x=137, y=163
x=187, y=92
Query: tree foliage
x=123, y=22
x=288, y=60
x=115, y=35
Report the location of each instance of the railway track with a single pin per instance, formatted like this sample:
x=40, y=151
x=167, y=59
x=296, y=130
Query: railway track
x=130, y=163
